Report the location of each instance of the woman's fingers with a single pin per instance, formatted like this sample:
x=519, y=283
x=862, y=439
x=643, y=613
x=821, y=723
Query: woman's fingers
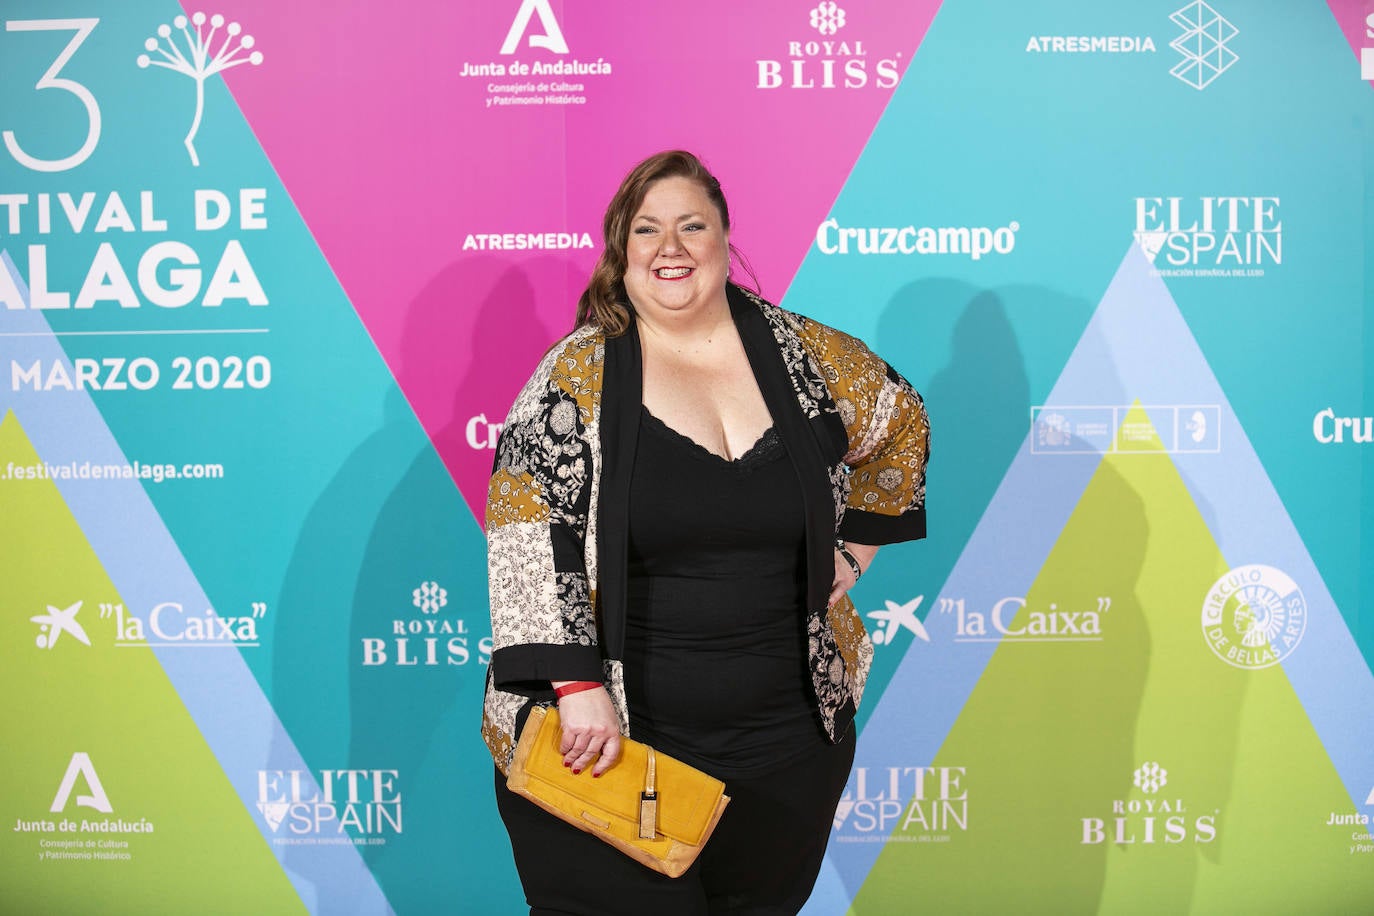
x=610, y=753
x=591, y=730
x=585, y=749
x=844, y=578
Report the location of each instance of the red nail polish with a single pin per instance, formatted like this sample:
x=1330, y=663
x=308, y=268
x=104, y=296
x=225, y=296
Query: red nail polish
x=596, y=776
x=577, y=772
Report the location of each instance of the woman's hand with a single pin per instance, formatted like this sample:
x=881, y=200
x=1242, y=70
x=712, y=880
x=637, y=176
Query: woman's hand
x=844, y=573
x=591, y=730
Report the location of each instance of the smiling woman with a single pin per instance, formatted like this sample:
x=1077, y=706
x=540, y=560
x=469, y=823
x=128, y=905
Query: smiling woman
x=683, y=495
x=678, y=252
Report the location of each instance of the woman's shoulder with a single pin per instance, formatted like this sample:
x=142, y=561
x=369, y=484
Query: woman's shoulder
x=584, y=347
x=571, y=366
x=825, y=343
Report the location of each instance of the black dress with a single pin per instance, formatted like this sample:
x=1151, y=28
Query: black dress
x=715, y=674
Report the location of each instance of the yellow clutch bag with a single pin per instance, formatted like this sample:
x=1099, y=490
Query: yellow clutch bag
x=654, y=808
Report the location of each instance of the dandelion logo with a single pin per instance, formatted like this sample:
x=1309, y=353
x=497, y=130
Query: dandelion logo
x=429, y=597
x=827, y=18
x=1151, y=777
x=202, y=63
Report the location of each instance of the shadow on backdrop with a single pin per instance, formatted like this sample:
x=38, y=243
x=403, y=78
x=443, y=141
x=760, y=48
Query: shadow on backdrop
x=385, y=596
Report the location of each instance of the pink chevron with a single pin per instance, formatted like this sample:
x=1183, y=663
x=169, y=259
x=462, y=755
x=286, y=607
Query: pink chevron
x=1354, y=19
x=393, y=159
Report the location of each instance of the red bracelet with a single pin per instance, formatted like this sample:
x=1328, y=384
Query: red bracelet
x=575, y=687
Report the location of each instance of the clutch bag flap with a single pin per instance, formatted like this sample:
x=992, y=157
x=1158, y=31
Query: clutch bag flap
x=687, y=798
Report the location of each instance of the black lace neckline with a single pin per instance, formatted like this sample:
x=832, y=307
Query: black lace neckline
x=766, y=448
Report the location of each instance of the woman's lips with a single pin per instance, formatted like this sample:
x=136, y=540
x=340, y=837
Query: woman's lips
x=673, y=273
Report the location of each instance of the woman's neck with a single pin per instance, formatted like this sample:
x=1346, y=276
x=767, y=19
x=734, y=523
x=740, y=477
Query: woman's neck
x=686, y=332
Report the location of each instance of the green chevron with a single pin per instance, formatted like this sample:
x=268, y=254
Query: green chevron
x=1053, y=733
x=115, y=705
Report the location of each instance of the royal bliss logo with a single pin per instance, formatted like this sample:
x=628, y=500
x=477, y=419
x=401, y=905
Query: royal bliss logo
x=828, y=57
x=429, y=639
x=1151, y=817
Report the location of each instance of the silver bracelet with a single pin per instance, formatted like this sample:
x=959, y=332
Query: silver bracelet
x=849, y=558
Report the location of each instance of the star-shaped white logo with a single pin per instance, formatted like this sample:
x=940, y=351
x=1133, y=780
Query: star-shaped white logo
x=896, y=617
x=56, y=622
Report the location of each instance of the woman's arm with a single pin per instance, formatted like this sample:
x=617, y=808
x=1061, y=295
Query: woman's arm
x=845, y=576
x=544, y=628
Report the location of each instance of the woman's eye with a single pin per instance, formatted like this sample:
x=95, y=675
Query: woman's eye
x=644, y=230
x=694, y=227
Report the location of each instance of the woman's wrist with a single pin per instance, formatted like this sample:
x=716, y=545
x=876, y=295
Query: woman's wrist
x=849, y=558
x=562, y=689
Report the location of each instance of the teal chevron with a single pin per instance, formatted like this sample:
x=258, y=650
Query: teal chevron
x=333, y=508
x=968, y=142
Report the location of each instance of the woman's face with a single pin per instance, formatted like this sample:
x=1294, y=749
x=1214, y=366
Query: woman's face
x=678, y=252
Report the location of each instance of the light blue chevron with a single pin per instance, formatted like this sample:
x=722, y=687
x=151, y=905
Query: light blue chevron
x=146, y=566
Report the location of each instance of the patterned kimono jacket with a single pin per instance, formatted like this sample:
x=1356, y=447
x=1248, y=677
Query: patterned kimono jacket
x=557, y=508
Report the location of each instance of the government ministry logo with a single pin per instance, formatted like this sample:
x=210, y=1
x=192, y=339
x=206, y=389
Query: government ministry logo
x=551, y=39
x=533, y=80
x=1202, y=44
x=1254, y=617
x=80, y=766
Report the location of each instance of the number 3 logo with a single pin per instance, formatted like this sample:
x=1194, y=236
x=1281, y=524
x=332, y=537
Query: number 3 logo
x=50, y=80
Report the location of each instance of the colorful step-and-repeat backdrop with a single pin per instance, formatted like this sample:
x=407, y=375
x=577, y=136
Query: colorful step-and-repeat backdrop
x=270, y=275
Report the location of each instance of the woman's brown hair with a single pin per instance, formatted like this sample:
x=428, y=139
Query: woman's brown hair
x=604, y=302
